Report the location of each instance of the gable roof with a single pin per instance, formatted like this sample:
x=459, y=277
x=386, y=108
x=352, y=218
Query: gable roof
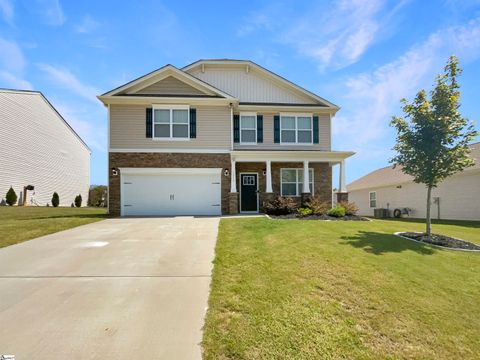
x=269, y=74
x=38, y=93
x=157, y=75
x=388, y=176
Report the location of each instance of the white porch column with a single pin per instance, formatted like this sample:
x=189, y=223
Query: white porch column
x=306, y=177
x=341, y=178
x=268, y=187
x=233, y=178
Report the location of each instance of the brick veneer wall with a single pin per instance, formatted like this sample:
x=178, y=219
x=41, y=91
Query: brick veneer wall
x=165, y=160
x=322, y=178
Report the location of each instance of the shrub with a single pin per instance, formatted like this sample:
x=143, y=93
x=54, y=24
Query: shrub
x=303, y=212
x=55, y=199
x=350, y=207
x=280, y=206
x=78, y=200
x=11, y=197
x=318, y=207
x=337, y=211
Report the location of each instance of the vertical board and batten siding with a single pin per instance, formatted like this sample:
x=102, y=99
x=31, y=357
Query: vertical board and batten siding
x=268, y=132
x=37, y=148
x=127, y=129
x=459, y=198
x=251, y=86
x=170, y=86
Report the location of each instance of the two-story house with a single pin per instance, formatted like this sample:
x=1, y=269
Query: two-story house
x=217, y=137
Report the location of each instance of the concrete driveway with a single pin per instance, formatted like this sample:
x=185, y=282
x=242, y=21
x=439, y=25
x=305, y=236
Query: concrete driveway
x=117, y=289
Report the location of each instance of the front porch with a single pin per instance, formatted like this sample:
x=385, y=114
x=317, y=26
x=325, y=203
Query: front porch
x=260, y=176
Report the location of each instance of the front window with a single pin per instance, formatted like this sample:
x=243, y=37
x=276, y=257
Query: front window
x=373, y=199
x=292, y=181
x=248, y=128
x=171, y=123
x=296, y=129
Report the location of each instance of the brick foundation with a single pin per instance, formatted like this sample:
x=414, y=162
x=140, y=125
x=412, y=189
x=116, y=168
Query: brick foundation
x=233, y=203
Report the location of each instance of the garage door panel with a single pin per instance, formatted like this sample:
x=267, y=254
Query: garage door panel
x=171, y=194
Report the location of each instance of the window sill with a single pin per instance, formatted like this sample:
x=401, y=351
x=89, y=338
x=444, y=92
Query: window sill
x=297, y=143
x=171, y=139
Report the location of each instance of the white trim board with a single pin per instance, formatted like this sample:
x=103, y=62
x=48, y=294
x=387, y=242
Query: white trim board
x=175, y=151
x=170, y=171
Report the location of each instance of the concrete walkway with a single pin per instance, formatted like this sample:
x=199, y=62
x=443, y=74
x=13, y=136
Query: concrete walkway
x=118, y=289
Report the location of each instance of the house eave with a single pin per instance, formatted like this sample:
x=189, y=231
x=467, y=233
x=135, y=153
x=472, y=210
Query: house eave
x=149, y=100
x=332, y=157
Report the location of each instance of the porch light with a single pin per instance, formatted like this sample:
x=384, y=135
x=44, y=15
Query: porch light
x=226, y=172
x=114, y=172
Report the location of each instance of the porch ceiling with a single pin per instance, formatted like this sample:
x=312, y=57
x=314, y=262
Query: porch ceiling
x=290, y=156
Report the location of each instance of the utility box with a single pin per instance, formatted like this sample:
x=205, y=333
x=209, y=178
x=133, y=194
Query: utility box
x=381, y=213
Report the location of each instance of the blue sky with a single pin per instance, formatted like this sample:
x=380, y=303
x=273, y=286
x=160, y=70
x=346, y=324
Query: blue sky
x=363, y=55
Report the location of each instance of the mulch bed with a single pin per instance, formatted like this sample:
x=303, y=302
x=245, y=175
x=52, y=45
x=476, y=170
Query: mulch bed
x=319, y=217
x=441, y=240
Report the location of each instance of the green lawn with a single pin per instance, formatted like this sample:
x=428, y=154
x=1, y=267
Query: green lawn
x=19, y=224
x=341, y=290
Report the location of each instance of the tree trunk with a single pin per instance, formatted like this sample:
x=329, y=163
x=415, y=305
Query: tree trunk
x=428, y=218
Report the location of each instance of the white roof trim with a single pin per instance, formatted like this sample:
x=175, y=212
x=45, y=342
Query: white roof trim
x=162, y=73
x=265, y=71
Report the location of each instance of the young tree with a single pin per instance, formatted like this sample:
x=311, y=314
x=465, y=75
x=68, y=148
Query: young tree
x=11, y=197
x=433, y=137
x=55, y=199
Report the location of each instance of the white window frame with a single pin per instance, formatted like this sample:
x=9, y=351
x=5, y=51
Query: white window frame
x=370, y=199
x=171, y=108
x=312, y=183
x=296, y=116
x=254, y=114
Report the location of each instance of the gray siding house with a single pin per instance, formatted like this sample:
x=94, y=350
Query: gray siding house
x=38, y=147
x=217, y=137
x=456, y=198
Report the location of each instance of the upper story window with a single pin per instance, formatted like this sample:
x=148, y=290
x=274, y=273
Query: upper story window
x=373, y=199
x=248, y=128
x=296, y=128
x=171, y=122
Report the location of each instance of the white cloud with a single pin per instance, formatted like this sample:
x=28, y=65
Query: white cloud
x=12, y=56
x=51, y=11
x=12, y=66
x=87, y=25
x=373, y=97
x=6, y=9
x=65, y=79
x=12, y=81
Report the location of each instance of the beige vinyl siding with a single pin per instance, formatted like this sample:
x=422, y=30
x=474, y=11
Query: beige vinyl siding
x=459, y=198
x=37, y=148
x=268, y=144
x=251, y=86
x=127, y=129
x=170, y=86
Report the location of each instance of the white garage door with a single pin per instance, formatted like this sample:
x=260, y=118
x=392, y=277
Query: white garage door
x=165, y=192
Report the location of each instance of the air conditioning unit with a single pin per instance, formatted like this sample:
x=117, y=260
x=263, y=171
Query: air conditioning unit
x=381, y=213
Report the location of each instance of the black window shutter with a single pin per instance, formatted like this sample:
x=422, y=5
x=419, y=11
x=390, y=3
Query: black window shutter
x=193, y=123
x=276, y=129
x=148, y=123
x=236, y=128
x=259, y=128
x=315, y=130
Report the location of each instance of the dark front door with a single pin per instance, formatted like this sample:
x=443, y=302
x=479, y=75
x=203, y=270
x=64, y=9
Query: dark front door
x=248, y=192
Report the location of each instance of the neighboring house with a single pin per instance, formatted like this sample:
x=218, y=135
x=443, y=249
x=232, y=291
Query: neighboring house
x=458, y=197
x=216, y=137
x=39, y=148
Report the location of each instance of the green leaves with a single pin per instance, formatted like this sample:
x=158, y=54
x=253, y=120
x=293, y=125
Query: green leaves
x=433, y=137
